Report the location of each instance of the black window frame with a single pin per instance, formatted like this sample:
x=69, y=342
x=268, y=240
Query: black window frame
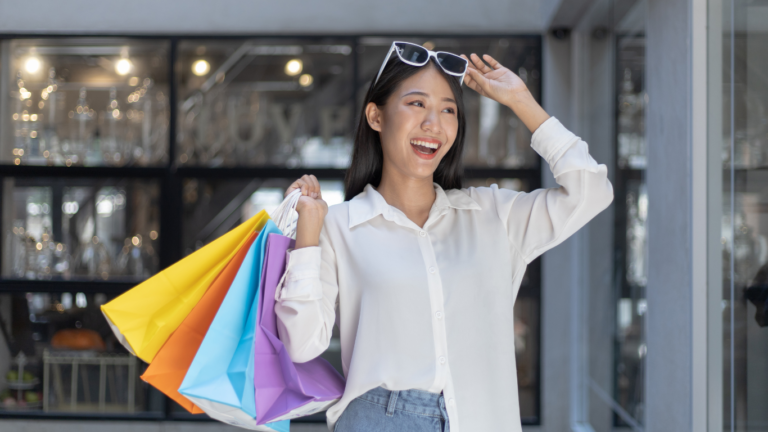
x=170, y=177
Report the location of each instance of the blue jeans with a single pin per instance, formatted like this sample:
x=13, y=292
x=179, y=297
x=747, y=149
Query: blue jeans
x=381, y=410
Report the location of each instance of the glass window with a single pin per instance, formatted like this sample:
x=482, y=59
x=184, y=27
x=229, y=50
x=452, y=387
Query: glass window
x=630, y=239
x=80, y=229
x=738, y=130
x=213, y=207
x=91, y=102
x=60, y=356
x=495, y=136
x=265, y=102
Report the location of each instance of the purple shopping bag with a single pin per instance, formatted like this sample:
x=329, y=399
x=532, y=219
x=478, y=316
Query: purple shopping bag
x=286, y=390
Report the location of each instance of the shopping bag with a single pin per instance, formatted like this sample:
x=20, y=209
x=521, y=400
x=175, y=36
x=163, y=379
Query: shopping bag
x=286, y=390
x=170, y=365
x=220, y=378
x=143, y=317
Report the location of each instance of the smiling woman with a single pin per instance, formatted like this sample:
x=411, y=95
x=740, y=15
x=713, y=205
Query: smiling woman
x=414, y=268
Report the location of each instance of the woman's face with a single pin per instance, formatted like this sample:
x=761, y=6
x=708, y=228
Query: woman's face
x=417, y=125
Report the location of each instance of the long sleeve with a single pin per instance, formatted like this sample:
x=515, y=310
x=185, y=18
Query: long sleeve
x=307, y=300
x=544, y=218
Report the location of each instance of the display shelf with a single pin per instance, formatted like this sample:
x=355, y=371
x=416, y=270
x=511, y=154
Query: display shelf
x=62, y=286
x=40, y=171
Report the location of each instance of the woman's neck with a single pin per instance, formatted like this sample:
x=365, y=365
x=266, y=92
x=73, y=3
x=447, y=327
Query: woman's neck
x=412, y=196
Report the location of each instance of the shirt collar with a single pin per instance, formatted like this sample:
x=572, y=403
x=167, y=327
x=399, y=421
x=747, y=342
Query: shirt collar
x=369, y=204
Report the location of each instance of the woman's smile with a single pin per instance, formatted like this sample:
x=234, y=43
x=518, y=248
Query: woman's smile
x=425, y=147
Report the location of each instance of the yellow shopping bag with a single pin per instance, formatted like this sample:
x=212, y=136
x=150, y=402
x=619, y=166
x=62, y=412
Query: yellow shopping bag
x=144, y=317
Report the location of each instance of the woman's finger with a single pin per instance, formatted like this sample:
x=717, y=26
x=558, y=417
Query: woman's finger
x=306, y=186
x=492, y=61
x=469, y=62
x=315, y=186
x=295, y=185
x=479, y=65
x=474, y=86
x=480, y=81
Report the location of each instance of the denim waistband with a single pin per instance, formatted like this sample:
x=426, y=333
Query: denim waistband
x=419, y=402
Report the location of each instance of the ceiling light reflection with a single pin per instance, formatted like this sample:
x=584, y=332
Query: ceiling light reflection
x=293, y=67
x=32, y=65
x=306, y=80
x=200, y=67
x=123, y=66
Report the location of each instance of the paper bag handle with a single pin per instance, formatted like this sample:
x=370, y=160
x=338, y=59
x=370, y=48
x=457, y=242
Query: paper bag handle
x=285, y=215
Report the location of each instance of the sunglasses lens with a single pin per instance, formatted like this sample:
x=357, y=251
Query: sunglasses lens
x=452, y=63
x=412, y=53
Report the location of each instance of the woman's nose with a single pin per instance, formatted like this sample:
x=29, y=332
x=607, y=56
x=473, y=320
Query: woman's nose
x=431, y=122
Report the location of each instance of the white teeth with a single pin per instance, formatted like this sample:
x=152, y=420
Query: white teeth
x=424, y=144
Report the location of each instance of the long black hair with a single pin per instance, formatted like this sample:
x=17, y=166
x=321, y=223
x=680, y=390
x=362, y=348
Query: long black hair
x=367, y=156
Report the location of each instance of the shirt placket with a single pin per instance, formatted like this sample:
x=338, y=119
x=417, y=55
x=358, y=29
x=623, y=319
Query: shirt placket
x=443, y=381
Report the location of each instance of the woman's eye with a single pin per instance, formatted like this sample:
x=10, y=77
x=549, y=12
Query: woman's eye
x=450, y=110
x=417, y=103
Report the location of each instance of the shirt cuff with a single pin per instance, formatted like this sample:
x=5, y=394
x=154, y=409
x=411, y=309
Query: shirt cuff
x=551, y=140
x=302, y=264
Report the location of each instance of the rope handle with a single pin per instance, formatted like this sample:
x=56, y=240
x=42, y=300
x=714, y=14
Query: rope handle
x=285, y=215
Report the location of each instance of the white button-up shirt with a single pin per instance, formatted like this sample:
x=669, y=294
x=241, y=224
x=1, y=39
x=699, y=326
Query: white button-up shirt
x=431, y=307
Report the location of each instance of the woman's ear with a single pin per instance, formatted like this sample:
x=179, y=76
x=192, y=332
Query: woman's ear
x=373, y=115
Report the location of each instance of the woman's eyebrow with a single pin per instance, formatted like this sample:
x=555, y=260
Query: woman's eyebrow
x=420, y=93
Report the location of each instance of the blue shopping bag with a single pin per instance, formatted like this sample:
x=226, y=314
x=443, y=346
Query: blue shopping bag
x=220, y=378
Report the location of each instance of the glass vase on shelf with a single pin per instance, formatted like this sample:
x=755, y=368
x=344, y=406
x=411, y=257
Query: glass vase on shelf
x=116, y=151
x=81, y=130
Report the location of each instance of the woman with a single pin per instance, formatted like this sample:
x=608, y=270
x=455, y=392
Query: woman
x=420, y=274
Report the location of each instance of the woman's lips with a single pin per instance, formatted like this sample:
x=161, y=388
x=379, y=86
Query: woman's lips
x=425, y=148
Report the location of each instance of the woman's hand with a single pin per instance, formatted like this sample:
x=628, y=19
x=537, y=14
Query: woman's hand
x=312, y=210
x=505, y=87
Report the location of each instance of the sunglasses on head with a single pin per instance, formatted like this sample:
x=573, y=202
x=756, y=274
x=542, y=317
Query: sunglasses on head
x=417, y=55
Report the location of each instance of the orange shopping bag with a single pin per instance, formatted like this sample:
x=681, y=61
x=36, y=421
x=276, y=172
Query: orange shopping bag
x=167, y=370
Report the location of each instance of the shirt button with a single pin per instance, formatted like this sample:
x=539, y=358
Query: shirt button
x=432, y=270
x=441, y=360
x=422, y=233
x=451, y=402
x=438, y=314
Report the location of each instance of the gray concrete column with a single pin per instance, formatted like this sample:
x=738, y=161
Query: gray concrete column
x=676, y=181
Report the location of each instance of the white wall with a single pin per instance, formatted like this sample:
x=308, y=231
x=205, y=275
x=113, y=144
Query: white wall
x=276, y=17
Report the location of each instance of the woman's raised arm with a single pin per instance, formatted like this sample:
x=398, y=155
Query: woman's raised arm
x=542, y=219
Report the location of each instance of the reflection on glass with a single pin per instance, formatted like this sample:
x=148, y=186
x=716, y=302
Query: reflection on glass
x=631, y=306
x=85, y=102
x=213, y=207
x=637, y=247
x=61, y=356
x=58, y=229
x=526, y=312
x=495, y=136
x=265, y=102
x=744, y=237
x=631, y=235
x=631, y=103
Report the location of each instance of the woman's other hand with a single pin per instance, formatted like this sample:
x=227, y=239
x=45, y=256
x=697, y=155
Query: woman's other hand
x=312, y=210
x=505, y=87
